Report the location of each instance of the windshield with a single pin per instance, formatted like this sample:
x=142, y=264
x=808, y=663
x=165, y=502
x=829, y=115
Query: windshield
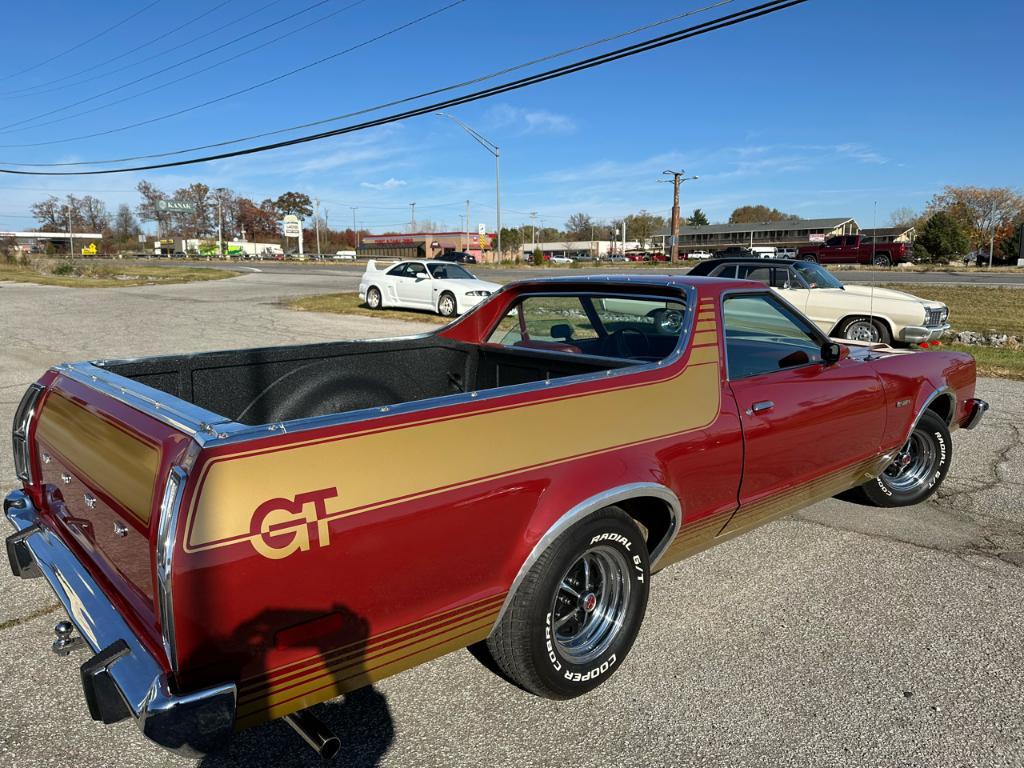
x=449, y=272
x=816, y=276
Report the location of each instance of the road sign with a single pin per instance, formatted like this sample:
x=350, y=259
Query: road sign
x=292, y=226
x=482, y=230
x=89, y=250
x=175, y=206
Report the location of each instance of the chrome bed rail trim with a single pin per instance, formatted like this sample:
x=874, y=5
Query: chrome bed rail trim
x=208, y=428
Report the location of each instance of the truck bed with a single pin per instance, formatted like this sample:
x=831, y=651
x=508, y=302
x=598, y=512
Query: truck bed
x=274, y=384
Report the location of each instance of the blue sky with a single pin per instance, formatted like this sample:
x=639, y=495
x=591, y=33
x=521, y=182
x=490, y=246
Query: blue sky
x=820, y=110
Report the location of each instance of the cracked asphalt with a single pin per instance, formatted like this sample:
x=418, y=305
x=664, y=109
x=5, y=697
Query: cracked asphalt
x=841, y=635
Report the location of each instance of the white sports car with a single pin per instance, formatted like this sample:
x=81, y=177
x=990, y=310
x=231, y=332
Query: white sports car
x=440, y=286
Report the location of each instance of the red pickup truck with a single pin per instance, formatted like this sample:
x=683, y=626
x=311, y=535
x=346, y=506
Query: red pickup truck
x=856, y=249
x=237, y=536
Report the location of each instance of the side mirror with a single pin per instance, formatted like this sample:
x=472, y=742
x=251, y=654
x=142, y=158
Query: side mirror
x=832, y=352
x=561, y=331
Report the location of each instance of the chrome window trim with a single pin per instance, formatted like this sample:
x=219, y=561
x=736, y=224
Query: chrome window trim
x=588, y=506
x=167, y=529
x=771, y=296
x=209, y=429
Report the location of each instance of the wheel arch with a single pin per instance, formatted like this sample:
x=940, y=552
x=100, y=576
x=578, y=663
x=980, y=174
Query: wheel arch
x=653, y=506
x=861, y=315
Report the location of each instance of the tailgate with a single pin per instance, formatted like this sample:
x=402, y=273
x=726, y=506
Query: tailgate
x=102, y=469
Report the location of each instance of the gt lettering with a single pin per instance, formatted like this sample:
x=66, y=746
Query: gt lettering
x=281, y=527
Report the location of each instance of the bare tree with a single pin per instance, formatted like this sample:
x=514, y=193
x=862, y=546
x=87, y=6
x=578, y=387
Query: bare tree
x=643, y=226
x=578, y=226
x=903, y=217
x=148, y=209
x=93, y=214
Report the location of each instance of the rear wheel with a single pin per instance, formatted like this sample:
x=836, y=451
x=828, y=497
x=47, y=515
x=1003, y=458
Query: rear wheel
x=810, y=258
x=881, y=260
x=867, y=329
x=373, y=298
x=577, y=612
x=919, y=468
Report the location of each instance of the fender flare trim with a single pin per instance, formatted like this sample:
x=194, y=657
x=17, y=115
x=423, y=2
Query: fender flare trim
x=589, y=506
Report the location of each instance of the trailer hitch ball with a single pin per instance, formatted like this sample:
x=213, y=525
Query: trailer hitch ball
x=65, y=643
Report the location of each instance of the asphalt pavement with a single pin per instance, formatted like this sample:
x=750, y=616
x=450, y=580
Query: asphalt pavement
x=842, y=635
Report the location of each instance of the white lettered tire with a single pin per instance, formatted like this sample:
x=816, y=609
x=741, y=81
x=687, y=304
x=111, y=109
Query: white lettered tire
x=919, y=468
x=575, y=616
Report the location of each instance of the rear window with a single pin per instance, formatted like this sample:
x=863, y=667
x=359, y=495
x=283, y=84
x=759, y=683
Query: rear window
x=641, y=329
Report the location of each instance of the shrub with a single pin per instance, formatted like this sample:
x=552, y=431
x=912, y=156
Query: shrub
x=538, y=258
x=64, y=268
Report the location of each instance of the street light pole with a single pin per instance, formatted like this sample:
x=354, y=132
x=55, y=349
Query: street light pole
x=413, y=206
x=677, y=179
x=355, y=232
x=316, y=221
x=495, y=150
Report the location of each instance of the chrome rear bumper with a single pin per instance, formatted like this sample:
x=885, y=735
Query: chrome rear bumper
x=976, y=411
x=122, y=679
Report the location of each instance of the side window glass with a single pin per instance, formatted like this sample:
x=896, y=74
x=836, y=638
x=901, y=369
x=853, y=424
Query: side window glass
x=754, y=272
x=726, y=270
x=762, y=336
x=399, y=271
x=416, y=270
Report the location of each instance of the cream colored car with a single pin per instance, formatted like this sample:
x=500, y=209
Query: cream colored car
x=854, y=312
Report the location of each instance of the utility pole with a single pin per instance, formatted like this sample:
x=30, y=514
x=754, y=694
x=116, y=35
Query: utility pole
x=991, y=237
x=677, y=179
x=469, y=225
x=355, y=232
x=413, y=205
x=220, y=227
x=316, y=221
x=71, y=235
x=533, y=238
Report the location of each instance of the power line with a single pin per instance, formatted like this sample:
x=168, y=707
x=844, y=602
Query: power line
x=721, y=22
x=81, y=44
x=35, y=89
x=249, y=88
x=207, y=52
x=336, y=118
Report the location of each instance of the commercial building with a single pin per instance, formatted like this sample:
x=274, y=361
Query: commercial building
x=427, y=245
x=791, y=233
x=37, y=241
x=890, y=234
x=580, y=249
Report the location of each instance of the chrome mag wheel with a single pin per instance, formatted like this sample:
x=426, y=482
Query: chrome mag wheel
x=590, y=604
x=913, y=465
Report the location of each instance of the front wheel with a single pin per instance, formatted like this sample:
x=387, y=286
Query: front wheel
x=919, y=468
x=866, y=329
x=576, y=614
x=446, y=306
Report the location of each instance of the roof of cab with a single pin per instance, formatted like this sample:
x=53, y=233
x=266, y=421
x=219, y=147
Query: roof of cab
x=661, y=281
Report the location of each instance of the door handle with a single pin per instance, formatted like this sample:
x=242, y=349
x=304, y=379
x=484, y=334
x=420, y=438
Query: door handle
x=760, y=407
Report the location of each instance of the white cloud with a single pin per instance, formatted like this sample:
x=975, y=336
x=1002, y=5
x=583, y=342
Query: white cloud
x=391, y=183
x=536, y=121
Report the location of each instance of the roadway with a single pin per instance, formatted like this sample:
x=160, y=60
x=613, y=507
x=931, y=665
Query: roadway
x=505, y=274
x=841, y=635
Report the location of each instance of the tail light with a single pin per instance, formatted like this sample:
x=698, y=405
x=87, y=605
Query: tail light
x=22, y=421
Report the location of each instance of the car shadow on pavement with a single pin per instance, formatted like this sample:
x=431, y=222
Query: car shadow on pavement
x=340, y=645
x=362, y=720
